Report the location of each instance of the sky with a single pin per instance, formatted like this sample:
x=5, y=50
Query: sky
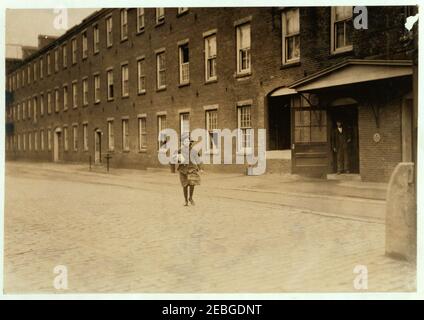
x=24, y=25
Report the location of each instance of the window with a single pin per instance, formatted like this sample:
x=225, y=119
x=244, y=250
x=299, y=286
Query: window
x=23, y=80
x=161, y=69
x=19, y=112
x=29, y=141
x=124, y=80
x=34, y=71
x=96, y=88
x=64, y=56
x=65, y=97
x=243, y=48
x=84, y=45
x=110, y=93
x=210, y=58
x=49, y=139
x=140, y=19
x=212, y=127
x=74, y=51
x=56, y=100
x=35, y=140
x=141, y=76
x=29, y=109
x=35, y=108
x=42, y=104
x=24, y=138
x=19, y=142
x=124, y=24
x=244, y=141
x=42, y=139
x=125, y=138
x=341, y=29
x=18, y=81
x=184, y=124
x=184, y=64
x=41, y=68
x=74, y=95
x=56, y=60
x=96, y=39
x=182, y=10
x=310, y=124
x=75, y=137
x=65, y=139
x=28, y=74
x=85, y=136
x=85, y=92
x=142, y=134
x=110, y=136
x=291, y=38
x=49, y=102
x=49, y=67
x=109, y=34
x=160, y=15
x=161, y=126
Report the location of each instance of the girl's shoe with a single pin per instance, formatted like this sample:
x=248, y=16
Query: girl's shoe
x=186, y=204
x=192, y=202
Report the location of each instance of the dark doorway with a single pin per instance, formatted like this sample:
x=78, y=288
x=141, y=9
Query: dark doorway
x=348, y=115
x=279, y=130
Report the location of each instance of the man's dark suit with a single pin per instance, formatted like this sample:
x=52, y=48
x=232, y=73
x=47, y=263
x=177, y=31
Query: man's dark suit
x=340, y=145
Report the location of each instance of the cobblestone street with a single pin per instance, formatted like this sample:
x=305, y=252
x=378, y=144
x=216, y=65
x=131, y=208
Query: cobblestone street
x=128, y=231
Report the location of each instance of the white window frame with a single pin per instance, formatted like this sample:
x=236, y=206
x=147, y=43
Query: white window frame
x=141, y=75
x=162, y=124
x=110, y=84
x=42, y=137
x=345, y=48
x=64, y=56
x=124, y=24
x=65, y=97
x=41, y=67
x=184, y=67
x=210, y=58
x=159, y=70
x=74, y=49
x=34, y=71
x=109, y=31
x=286, y=37
x=56, y=60
x=110, y=135
x=142, y=133
x=49, y=102
x=65, y=138
x=241, y=149
x=125, y=135
x=160, y=15
x=74, y=88
x=49, y=139
x=75, y=137
x=240, y=50
x=140, y=19
x=84, y=83
x=56, y=100
x=42, y=104
x=34, y=102
x=85, y=136
x=96, y=80
x=84, y=40
x=125, y=85
x=96, y=38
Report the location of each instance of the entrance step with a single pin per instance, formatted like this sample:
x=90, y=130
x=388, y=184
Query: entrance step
x=280, y=166
x=344, y=177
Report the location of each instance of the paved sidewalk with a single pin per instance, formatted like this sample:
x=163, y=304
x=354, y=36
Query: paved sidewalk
x=127, y=231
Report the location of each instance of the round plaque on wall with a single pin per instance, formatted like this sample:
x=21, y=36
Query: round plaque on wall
x=376, y=137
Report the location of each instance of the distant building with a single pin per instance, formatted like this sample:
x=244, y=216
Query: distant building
x=111, y=83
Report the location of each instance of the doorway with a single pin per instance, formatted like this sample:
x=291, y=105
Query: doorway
x=279, y=128
x=97, y=146
x=57, y=145
x=348, y=116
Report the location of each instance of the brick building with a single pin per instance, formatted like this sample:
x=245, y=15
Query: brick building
x=111, y=83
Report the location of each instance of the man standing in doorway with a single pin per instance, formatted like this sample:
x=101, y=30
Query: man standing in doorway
x=340, y=144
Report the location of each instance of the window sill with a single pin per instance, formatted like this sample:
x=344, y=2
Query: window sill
x=180, y=14
x=110, y=99
x=159, y=23
x=124, y=39
x=97, y=102
x=96, y=52
x=243, y=75
x=141, y=93
x=290, y=64
x=186, y=84
x=125, y=97
x=139, y=32
x=109, y=46
x=211, y=81
x=142, y=151
x=341, y=51
x=85, y=105
x=160, y=89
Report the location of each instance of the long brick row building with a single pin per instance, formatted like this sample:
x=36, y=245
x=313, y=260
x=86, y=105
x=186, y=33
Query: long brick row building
x=111, y=83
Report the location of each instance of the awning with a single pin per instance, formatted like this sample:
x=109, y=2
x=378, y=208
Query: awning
x=353, y=71
x=283, y=92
